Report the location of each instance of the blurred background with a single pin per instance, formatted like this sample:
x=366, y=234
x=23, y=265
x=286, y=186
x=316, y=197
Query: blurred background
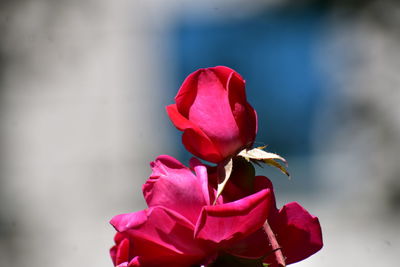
x=83, y=86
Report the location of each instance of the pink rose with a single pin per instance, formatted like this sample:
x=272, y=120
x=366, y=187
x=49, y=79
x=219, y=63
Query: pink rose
x=212, y=111
x=181, y=227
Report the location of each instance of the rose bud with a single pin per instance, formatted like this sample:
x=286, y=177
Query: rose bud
x=212, y=111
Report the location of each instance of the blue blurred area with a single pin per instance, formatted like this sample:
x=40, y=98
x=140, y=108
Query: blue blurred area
x=275, y=51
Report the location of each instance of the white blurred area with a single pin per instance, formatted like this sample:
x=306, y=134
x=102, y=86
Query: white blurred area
x=81, y=84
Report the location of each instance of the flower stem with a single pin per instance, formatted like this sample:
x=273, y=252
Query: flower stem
x=274, y=244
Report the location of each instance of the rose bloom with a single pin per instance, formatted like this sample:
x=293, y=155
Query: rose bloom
x=181, y=227
x=212, y=111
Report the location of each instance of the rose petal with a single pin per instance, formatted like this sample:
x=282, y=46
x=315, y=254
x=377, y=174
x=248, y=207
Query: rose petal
x=202, y=176
x=162, y=232
x=135, y=262
x=193, y=138
x=187, y=94
x=174, y=186
x=122, y=253
x=226, y=223
x=223, y=74
x=211, y=112
x=298, y=232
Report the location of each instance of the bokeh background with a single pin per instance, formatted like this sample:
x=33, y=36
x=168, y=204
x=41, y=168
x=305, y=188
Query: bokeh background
x=83, y=86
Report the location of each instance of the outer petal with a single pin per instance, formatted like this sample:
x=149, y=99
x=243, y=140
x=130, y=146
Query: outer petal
x=244, y=114
x=227, y=223
x=161, y=232
x=174, y=186
x=187, y=94
x=299, y=233
x=201, y=172
x=194, y=139
x=223, y=74
x=257, y=244
x=120, y=252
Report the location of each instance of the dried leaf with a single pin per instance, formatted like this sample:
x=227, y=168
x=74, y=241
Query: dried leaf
x=258, y=155
x=223, y=179
x=277, y=165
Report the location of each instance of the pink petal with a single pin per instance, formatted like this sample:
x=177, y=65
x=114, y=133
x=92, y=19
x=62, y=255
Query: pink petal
x=201, y=173
x=212, y=113
x=223, y=74
x=227, y=223
x=161, y=232
x=122, y=254
x=135, y=262
x=122, y=251
x=174, y=186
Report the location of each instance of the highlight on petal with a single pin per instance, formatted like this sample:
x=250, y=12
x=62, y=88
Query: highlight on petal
x=201, y=173
x=135, y=262
x=175, y=186
x=226, y=223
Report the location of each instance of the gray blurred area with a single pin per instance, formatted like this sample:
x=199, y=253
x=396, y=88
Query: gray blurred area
x=83, y=85
x=80, y=122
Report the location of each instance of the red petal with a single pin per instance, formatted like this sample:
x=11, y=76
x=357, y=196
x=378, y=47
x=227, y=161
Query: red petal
x=298, y=232
x=194, y=139
x=227, y=223
x=244, y=114
x=211, y=112
x=161, y=237
x=174, y=186
x=122, y=254
x=223, y=74
x=187, y=93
